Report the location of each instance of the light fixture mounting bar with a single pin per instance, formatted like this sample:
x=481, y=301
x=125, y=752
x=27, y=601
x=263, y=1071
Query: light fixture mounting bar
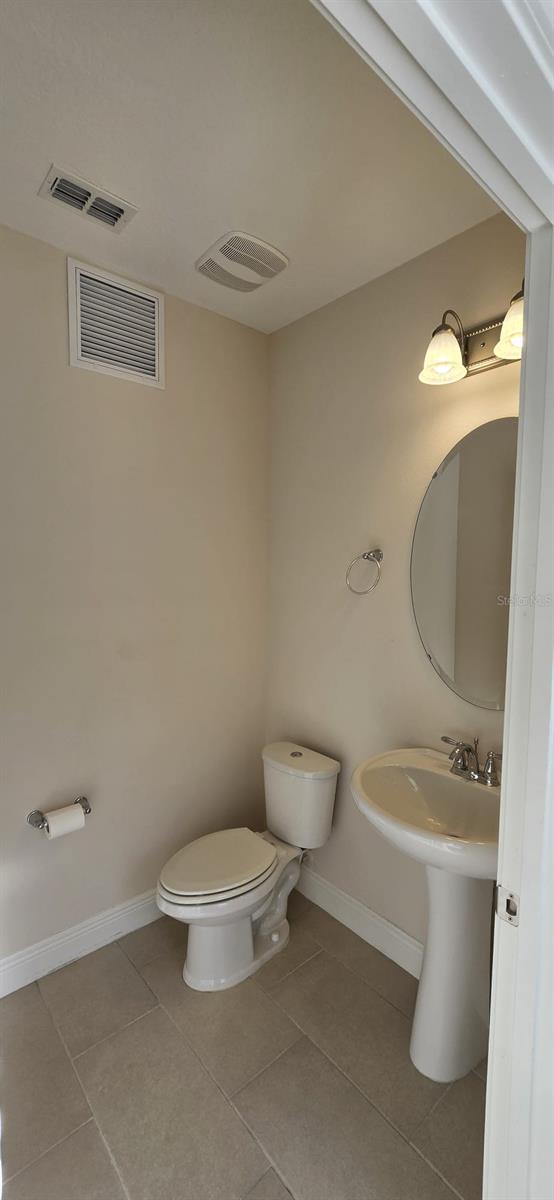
x=479, y=347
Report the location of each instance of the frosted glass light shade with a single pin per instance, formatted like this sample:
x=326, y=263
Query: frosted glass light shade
x=443, y=360
x=511, y=335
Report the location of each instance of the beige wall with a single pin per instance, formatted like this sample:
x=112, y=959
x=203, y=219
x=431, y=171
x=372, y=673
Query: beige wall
x=355, y=439
x=133, y=598
x=134, y=549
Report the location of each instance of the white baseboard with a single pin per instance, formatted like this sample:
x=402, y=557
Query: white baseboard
x=380, y=933
x=26, y=966
x=19, y=969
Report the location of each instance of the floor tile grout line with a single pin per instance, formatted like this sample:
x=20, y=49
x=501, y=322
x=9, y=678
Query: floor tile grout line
x=94, y=1115
x=272, y=1163
x=137, y=970
x=435, y=1104
x=353, y=1083
x=54, y=1146
x=64, y=1047
x=143, y=965
x=81, y=1085
x=268, y=987
x=356, y=975
x=404, y=1136
x=72, y=1057
x=75, y=1058
x=444, y=1178
x=157, y=1005
x=205, y=1066
x=181, y=1034
x=353, y=970
x=271, y=1168
x=113, y=1160
x=254, y=1185
x=356, y=1085
x=149, y=961
x=229, y=1100
x=281, y=1011
x=448, y=1086
x=123, y=950
x=321, y=948
x=256, y=1075
x=98, y=1123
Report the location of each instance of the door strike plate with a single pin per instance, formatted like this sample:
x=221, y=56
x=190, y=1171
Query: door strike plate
x=507, y=905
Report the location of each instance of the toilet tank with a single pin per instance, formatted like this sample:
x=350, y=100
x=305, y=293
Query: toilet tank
x=300, y=787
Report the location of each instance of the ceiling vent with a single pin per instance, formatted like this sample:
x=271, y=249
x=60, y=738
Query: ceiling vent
x=86, y=198
x=241, y=261
x=115, y=326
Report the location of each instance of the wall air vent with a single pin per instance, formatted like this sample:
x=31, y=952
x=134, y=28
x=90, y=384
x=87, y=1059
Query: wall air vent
x=115, y=326
x=86, y=198
x=241, y=261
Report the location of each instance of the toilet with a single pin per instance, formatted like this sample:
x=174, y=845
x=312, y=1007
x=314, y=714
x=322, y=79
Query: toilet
x=232, y=887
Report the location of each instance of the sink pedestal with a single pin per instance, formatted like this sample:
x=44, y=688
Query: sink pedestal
x=449, y=823
x=451, y=1020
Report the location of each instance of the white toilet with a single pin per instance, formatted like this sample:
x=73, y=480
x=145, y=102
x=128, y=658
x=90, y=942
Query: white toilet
x=232, y=887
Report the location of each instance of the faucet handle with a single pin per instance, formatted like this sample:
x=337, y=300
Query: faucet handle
x=464, y=756
x=458, y=747
x=489, y=774
x=458, y=743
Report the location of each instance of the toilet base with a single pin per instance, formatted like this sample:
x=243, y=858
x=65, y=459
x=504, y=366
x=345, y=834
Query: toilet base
x=238, y=950
x=229, y=940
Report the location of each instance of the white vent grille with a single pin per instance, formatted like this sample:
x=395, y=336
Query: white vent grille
x=114, y=326
x=214, y=271
x=254, y=262
x=86, y=198
x=254, y=254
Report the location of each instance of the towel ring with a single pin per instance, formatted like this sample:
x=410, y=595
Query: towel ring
x=375, y=556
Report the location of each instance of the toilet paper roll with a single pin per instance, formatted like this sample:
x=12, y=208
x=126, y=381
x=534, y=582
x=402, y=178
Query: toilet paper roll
x=64, y=820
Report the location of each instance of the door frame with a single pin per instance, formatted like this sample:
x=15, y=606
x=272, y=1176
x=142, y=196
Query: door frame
x=464, y=85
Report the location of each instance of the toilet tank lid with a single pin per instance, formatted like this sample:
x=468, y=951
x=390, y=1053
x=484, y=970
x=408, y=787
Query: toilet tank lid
x=299, y=760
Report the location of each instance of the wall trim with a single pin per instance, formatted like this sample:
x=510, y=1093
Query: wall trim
x=380, y=933
x=17, y=970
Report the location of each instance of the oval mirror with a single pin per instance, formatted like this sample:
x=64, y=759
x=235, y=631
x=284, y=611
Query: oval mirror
x=461, y=557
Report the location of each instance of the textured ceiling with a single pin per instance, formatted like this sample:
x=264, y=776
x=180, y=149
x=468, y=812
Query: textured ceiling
x=213, y=115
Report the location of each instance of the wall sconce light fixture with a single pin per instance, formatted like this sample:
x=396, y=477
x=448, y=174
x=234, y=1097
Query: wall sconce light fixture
x=455, y=352
x=444, y=360
x=510, y=343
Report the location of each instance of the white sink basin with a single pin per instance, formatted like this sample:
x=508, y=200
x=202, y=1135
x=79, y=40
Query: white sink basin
x=413, y=799
x=451, y=825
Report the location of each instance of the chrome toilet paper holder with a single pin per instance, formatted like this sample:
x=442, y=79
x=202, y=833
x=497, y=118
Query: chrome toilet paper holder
x=39, y=820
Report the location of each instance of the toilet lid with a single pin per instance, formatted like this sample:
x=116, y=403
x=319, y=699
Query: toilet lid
x=218, y=862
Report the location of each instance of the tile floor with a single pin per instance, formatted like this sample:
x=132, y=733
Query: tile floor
x=122, y=1084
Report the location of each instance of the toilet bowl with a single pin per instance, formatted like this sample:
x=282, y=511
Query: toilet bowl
x=232, y=887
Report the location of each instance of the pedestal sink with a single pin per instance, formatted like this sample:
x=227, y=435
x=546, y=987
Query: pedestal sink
x=450, y=824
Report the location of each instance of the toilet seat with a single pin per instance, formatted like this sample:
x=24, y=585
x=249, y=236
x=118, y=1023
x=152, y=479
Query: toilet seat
x=217, y=867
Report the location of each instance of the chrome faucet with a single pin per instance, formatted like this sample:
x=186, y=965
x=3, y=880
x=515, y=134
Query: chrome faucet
x=464, y=757
x=465, y=762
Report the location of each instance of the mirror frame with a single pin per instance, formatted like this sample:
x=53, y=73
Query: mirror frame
x=469, y=699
